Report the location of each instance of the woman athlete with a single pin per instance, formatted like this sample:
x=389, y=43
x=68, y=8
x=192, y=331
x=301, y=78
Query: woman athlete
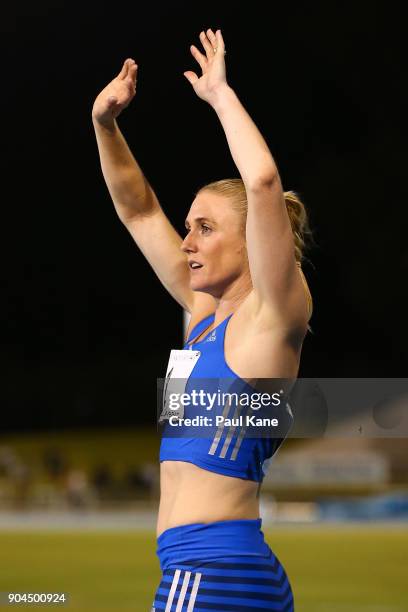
x=238, y=273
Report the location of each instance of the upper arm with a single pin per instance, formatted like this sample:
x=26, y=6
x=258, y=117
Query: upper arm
x=160, y=243
x=277, y=284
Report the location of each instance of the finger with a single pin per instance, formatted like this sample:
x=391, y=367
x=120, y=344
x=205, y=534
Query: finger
x=207, y=45
x=132, y=74
x=220, y=42
x=123, y=73
x=212, y=38
x=191, y=77
x=131, y=86
x=201, y=59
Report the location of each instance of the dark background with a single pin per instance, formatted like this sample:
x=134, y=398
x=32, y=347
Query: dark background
x=87, y=327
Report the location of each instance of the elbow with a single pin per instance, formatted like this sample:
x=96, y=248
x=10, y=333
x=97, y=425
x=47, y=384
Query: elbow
x=263, y=181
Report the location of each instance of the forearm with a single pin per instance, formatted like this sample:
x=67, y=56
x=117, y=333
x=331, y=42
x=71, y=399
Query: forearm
x=126, y=183
x=247, y=145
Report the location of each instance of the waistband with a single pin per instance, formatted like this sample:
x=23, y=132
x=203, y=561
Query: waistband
x=210, y=541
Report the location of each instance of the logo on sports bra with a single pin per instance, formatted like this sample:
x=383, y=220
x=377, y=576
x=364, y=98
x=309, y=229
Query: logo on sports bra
x=212, y=337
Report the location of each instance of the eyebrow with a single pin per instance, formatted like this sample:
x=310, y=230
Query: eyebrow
x=198, y=219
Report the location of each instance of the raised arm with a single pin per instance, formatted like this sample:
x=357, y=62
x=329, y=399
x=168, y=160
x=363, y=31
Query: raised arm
x=278, y=285
x=134, y=199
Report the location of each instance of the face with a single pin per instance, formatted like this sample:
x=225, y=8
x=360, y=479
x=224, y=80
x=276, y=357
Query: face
x=216, y=240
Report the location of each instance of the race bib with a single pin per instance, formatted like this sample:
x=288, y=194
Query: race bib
x=179, y=368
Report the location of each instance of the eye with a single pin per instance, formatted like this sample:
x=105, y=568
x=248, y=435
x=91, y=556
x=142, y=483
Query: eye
x=205, y=229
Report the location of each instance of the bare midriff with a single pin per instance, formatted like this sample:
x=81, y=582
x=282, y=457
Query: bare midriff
x=190, y=494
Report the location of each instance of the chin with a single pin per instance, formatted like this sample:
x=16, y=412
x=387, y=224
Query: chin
x=196, y=285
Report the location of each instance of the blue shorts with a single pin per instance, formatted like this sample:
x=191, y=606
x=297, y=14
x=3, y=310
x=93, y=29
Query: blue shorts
x=220, y=567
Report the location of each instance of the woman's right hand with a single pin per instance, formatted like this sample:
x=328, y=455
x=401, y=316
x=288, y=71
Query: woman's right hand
x=117, y=95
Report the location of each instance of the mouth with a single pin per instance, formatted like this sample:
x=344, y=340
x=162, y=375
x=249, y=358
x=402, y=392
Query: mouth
x=194, y=265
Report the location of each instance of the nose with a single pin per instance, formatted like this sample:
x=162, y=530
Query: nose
x=188, y=245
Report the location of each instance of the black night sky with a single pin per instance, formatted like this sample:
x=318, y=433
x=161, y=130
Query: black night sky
x=87, y=327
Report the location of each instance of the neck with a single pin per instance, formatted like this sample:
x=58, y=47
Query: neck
x=232, y=298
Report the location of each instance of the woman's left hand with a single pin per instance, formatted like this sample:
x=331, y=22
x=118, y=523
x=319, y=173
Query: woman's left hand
x=212, y=65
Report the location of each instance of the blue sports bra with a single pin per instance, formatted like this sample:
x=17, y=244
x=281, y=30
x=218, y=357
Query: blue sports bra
x=230, y=446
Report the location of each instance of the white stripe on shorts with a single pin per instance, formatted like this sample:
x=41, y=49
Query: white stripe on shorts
x=193, y=595
x=183, y=591
x=172, y=590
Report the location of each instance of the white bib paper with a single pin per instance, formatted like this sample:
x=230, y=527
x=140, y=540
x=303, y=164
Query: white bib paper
x=181, y=364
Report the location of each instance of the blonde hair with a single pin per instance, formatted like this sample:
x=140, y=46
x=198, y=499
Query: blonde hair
x=235, y=190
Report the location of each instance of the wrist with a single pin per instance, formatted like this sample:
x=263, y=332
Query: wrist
x=221, y=96
x=108, y=125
